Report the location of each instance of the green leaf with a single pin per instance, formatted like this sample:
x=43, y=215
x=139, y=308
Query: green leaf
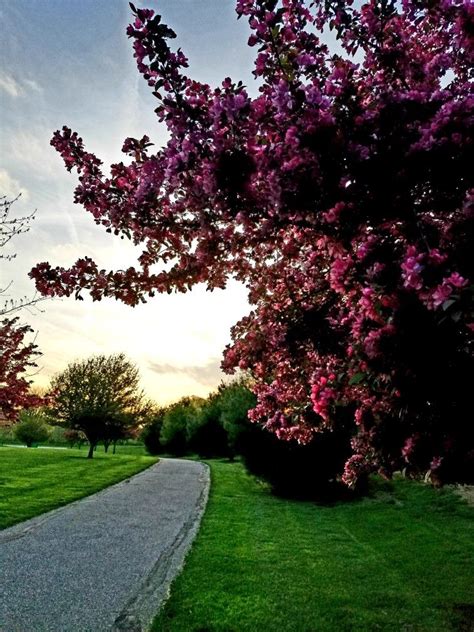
x=356, y=378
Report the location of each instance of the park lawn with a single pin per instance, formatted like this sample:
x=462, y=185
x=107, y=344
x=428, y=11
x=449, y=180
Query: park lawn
x=33, y=481
x=401, y=559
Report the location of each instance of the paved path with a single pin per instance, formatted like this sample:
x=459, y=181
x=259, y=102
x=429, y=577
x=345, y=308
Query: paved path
x=103, y=563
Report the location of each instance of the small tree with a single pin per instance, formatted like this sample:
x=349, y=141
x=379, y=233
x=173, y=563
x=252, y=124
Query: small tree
x=152, y=430
x=95, y=395
x=125, y=424
x=32, y=427
x=16, y=354
x=74, y=437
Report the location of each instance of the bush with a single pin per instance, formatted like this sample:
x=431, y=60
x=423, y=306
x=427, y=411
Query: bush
x=219, y=427
x=151, y=432
x=291, y=469
x=177, y=418
x=294, y=470
x=235, y=400
x=31, y=428
x=6, y=435
x=205, y=432
x=56, y=435
x=74, y=437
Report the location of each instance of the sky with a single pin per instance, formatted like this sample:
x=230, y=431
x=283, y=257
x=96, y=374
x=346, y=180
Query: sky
x=69, y=62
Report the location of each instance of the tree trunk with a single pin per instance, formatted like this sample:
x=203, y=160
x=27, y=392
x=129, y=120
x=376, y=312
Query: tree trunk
x=106, y=446
x=91, y=450
x=115, y=444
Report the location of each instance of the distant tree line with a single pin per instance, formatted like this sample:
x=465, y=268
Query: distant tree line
x=219, y=426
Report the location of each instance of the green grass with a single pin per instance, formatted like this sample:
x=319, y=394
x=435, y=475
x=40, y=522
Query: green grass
x=8, y=438
x=33, y=481
x=400, y=560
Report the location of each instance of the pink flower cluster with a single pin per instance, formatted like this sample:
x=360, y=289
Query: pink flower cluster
x=323, y=396
x=341, y=196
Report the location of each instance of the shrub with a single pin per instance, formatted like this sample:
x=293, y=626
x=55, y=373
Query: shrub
x=56, y=435
x=205, y=433
x=290, y=468
x=177, y=418
x=235, y=400
x=295, y=470
x=6, y=435
x=31, y=428
x=151, y=432
x=74, y=437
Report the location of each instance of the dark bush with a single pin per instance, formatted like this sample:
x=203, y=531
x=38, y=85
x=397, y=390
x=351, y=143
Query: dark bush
x=151, y=432
x=294, y=470
x=206, y=435
x=291, y=469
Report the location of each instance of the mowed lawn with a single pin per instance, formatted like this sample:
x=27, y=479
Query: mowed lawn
x=401, y=560
x=33, y=481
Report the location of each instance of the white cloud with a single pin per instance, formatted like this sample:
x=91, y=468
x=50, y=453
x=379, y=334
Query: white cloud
x=208, y=374
x=9, y=85
x=31, y=83
x=17, y=88
x=11, y=187
x=30, y=148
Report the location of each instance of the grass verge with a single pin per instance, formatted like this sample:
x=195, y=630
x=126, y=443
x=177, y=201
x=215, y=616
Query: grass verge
x=400, y=560
x=34, y=481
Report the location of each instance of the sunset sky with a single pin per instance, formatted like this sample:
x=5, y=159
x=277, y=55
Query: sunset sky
x=70, y=62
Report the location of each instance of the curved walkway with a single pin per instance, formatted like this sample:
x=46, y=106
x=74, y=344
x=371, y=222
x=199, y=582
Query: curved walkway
x=103, y=563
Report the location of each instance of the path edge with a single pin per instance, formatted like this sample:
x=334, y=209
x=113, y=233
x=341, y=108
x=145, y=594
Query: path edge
x=20, y=529
x=138, y=614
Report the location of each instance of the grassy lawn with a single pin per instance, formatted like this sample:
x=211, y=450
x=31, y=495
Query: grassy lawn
x=33, y=481
x=400, y=560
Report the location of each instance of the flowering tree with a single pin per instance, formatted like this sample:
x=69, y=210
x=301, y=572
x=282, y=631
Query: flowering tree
x=342, y=196
x=16, y=355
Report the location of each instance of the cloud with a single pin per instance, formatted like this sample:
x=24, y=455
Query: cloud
x=31, y=83
x=10, y=187
x=15, y=88
x=9, y=85
x=208, y=374
x=30, y=149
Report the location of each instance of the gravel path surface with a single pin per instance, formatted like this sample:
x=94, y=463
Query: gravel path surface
x=103, y=563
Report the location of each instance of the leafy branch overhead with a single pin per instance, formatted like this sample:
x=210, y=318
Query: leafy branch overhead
x=342, y=196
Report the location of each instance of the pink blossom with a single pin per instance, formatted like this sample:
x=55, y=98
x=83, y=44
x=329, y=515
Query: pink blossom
x=339, y=196
x=456, y=280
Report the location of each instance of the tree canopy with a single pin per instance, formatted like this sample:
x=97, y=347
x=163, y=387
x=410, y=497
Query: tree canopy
x=32, y=427
x=342, y=196
x=98, y=396
x=17, y=353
